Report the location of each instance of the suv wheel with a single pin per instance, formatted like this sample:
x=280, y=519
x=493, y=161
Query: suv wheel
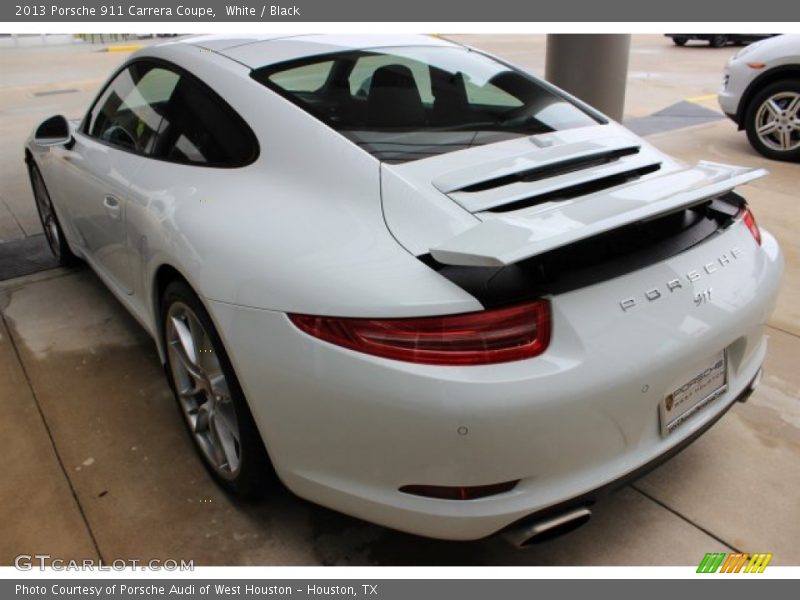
x=772, y=120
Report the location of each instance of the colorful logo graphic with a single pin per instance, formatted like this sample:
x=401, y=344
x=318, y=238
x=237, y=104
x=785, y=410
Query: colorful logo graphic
x=722, y=562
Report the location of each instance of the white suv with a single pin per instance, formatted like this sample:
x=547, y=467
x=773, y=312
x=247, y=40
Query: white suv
x=761, y=93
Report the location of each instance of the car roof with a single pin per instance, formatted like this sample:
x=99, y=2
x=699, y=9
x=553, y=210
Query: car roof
x=260, y=50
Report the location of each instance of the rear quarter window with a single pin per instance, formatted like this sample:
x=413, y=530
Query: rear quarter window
x=200, y=128
x=159, y=110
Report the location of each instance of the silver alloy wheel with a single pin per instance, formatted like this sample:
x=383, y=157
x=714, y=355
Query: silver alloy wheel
x=202, y=390
x=46, y=213
x=777, y=122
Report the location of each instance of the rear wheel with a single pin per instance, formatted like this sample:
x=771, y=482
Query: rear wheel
x=680, y=40
x=209, y=396
x=772, y=121
x=47, y=215
x=718, y=41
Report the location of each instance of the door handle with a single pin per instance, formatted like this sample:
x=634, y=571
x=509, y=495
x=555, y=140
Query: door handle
x=113, y=207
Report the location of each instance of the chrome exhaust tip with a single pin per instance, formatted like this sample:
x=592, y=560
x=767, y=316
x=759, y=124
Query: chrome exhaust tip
x=531, y=532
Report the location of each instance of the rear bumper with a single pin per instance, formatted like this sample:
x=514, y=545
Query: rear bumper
x=592, y=497
x=347, y=430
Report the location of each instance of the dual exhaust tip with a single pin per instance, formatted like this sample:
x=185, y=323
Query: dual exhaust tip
x=532, y=532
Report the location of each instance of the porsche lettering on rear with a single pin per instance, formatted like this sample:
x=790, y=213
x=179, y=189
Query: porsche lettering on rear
x=680, y=283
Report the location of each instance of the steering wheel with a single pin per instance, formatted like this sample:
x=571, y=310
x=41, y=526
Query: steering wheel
x=119, y=136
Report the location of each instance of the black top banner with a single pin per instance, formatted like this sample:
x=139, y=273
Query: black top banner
x=454, y=11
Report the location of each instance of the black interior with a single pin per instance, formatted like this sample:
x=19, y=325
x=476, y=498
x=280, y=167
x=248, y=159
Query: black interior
x=193, y=125
x=419, y=123
x=390, y=99
x=393, y=99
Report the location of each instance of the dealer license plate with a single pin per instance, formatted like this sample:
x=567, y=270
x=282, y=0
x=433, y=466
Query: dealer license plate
x=708, y=384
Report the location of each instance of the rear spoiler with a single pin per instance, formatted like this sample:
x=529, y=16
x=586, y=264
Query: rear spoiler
x=508, y=238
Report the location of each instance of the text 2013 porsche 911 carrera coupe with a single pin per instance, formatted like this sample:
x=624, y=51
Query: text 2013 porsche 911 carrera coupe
x=426, y=288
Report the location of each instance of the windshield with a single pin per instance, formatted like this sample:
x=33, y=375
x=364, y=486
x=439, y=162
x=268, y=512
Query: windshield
x=407, y=103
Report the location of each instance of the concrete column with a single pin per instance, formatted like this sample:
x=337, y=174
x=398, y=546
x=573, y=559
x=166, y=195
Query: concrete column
x=593, y=67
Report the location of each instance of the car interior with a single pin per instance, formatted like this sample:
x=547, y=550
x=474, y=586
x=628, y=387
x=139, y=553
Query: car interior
x=172, y=119
x=399, y=108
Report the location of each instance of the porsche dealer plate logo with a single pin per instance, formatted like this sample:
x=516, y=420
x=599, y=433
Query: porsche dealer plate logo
x=693, y=393
x=680, y=284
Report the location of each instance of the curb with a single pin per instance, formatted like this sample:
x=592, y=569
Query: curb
x=123, y=48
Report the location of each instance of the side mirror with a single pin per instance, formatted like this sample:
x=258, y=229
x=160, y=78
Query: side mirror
x=54, y=131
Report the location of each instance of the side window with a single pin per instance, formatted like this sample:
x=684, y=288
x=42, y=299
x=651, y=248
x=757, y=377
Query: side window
x=129, y=113
x=199, y=127
x=308, y=78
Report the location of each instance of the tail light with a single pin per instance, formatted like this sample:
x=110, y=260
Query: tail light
x=480, y=338
x=750, y=222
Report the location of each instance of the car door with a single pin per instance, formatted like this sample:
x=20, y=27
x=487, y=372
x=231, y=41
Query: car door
x=108, y=152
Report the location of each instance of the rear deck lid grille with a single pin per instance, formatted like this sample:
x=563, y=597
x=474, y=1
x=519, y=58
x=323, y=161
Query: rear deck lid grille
x=554, y=169
x=590, y=186
x=550, y=174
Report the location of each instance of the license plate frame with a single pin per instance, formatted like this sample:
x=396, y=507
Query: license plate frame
x=706, y=385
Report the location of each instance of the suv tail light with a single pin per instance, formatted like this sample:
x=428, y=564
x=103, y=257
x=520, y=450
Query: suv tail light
x=750, y=222
x=479, y=338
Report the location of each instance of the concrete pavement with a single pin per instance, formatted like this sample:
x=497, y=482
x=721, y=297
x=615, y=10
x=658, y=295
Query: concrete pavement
x=101, y=464
x=36, y=83
x=39, y=509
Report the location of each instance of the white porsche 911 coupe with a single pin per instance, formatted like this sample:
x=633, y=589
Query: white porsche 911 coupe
x=426, y=288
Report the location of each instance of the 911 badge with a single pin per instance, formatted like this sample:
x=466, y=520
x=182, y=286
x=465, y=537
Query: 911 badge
x=702, y=297
x=677, y=284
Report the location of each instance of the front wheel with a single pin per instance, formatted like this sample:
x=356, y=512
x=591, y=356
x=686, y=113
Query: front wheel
x=53, y=232
x=209, y=396
x=680, y=40
x=772, y=121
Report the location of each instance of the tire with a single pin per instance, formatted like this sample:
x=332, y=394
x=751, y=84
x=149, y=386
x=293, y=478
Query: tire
x=778, y=104
x=51, y=226
x=679, y=40
x=718, y=41
x=209, y=396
